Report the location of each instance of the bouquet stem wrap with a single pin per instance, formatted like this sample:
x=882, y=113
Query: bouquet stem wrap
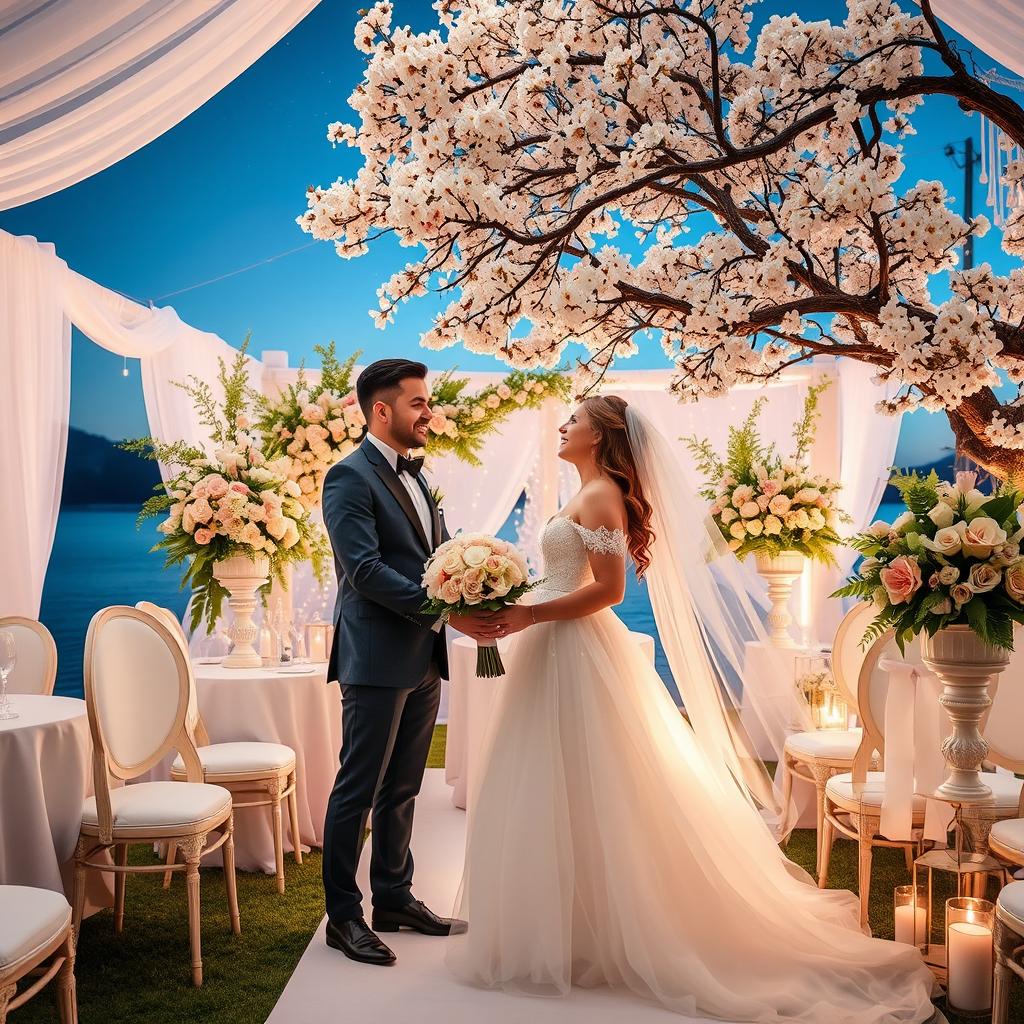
x=488, y=660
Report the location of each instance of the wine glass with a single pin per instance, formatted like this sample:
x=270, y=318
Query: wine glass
x=8, y=657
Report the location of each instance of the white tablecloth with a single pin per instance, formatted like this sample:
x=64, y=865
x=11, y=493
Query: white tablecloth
x=301, y=711
x=45, y=774
x=471, y=702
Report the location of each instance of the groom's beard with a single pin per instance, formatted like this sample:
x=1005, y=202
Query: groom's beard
x=410, y=439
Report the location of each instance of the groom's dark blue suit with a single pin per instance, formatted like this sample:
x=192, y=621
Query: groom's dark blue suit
x=389, y=662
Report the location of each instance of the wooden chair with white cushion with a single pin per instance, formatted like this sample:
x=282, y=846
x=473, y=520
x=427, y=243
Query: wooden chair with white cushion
x=136, y=692
x=36, y=937
x=818, y=755
x=1005, y=738
x=35, y=669
x=853, y=800
x=1009, y=948
x=263, y=772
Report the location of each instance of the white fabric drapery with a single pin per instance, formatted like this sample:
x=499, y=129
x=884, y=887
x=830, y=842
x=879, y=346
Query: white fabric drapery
x=995, y=26
x=83, y=85
x=40, y=297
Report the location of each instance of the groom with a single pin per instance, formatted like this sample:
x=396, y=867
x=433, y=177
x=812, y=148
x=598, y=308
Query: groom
x=388, y=657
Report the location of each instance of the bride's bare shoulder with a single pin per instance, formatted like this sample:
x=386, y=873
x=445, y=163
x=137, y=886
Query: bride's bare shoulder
x=601, y=504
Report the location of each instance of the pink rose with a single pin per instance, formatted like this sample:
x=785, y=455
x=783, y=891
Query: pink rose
x=204, y=536
x=901, y=578
x=238, y=487
x=217, y=487
x=770, y=487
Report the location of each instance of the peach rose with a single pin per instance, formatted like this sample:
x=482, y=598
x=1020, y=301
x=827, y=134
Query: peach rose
x=217, y=487
x=476, y=554
x=981, y=535
x=961, y=593
x=779, y=505
x=901, y=578
x=313, y=413
x=1013, y=581
x=201, y=511
x=983, y=577
x=203, y=535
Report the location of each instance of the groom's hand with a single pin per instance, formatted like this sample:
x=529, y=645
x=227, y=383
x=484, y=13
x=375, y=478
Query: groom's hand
x=479, y=626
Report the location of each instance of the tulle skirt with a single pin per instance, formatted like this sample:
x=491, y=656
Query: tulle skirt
x=603, y=850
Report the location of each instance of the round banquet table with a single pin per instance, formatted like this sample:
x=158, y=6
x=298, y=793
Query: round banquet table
x=301, y=710
x=471, y=704
x=45, y=774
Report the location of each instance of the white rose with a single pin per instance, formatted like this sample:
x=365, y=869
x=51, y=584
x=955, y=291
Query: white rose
x=475, y=554
x=728, y=515
x=903, y=520
x=879, y=529
x=738, y=530
x=754, y=527
x=750, y=509
x=772, y=526
x=941, y=515
x=948, y=575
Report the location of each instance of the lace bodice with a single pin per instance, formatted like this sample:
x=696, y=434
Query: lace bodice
x=564, y=544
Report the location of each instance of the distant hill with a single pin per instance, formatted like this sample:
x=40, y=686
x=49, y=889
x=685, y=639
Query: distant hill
x=943, y=466
x=97, y=472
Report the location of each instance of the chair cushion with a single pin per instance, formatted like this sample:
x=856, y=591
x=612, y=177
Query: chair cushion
x=160, y=805
x=1009, y=832
x=826, y=743
x=841, y=791
x=241, y=758
x=1005, y=789
x=1011, y=902
x=29, y=919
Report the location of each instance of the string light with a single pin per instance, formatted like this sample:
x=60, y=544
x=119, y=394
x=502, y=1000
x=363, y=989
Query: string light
x=124, y=369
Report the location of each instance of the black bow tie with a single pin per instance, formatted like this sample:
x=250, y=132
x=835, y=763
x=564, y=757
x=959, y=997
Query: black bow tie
x=410, y=466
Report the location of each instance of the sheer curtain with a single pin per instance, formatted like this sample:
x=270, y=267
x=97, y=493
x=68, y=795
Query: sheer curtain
x=40, y=297
x=83, y=85
x=35, y=356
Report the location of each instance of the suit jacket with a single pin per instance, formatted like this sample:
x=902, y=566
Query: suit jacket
x=380, y=636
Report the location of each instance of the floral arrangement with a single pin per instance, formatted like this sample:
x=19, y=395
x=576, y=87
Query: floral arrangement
x=310, y=428
x=462, y=421
x=315, y=426
x=953, y=557
x=233, y=502
x=475, y=571
x=763, y=502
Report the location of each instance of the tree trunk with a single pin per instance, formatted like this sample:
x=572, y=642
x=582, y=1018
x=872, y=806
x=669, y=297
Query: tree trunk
x=969, y=421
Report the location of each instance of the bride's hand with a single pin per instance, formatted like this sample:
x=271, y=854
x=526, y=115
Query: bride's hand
x=511, y=619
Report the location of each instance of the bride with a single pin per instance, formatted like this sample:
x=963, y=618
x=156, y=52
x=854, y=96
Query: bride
x=605, y=846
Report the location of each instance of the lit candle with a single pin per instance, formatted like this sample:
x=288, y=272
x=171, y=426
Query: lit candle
x=317, y=645
x=910, y=924
x=970, y=966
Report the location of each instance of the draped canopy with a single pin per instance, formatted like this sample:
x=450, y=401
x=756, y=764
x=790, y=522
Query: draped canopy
x=83, y=85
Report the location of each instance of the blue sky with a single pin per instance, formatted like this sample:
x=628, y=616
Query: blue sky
x=222, y=189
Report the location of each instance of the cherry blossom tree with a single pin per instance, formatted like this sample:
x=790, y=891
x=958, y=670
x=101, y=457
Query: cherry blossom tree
x=547, y=159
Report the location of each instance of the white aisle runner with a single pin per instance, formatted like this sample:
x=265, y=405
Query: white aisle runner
x=328, y=987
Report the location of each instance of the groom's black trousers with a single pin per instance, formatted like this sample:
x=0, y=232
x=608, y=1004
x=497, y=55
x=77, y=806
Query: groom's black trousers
x=386, y=735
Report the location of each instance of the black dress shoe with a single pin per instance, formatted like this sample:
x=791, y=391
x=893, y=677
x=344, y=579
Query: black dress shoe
x=357, y=942
x=415, y=915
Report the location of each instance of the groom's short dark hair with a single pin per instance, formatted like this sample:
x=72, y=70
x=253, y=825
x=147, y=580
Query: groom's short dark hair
x=379, y=382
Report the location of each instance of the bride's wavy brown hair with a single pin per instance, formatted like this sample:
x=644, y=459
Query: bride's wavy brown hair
x=607, y=413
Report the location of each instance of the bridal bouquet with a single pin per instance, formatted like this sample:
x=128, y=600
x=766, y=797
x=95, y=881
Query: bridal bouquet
x=234, y=501
x=762, y=502
x=953, y=557
x=473, y=572
x=310, y=428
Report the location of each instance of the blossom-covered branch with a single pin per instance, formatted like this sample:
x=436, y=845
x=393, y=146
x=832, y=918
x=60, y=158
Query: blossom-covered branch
x=518, y=145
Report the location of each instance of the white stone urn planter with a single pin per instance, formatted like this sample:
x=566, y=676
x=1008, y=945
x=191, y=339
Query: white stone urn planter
x=966, y=665
x=780, y=572
x=242, y=576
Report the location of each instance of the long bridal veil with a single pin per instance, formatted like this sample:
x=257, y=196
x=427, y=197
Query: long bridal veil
x=706, y=618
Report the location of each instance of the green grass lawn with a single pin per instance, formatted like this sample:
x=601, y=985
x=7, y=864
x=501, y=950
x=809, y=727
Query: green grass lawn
x=143, y=976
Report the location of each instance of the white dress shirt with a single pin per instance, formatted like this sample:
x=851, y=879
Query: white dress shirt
x=419, y=499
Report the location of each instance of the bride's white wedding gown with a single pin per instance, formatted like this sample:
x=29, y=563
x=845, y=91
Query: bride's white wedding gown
x=601, y=850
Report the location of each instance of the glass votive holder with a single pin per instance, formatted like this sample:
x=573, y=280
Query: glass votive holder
x=910, y=913
x=969, y=926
